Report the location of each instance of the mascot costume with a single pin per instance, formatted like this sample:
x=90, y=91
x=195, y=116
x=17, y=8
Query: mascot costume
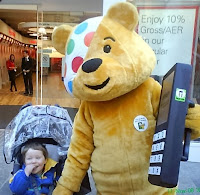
x=115, y=88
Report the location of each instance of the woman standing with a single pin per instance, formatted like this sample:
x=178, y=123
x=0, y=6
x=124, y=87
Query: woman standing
x=11, y=71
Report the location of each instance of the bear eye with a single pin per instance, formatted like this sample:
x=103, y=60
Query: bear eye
x=107, y=48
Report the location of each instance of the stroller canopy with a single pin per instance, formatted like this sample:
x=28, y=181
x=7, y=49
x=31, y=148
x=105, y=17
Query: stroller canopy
x=40, y=121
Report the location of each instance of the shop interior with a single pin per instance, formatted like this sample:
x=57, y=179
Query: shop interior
x=32, y=31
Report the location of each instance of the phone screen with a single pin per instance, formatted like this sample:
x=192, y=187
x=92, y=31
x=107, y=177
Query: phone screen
x=165, y=99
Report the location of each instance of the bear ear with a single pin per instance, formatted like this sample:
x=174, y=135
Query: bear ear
x=124, y=13
x=60, y=36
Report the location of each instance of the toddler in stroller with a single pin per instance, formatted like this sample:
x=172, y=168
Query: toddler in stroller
x=44, y=130
x=37, y=174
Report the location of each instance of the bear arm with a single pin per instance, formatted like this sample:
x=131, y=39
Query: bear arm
x=61, y=190
x=155, y=97
x=193, y=121
x=79, y=153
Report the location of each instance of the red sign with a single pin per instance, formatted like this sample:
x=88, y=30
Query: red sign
x=11, y=33
x=33, y=42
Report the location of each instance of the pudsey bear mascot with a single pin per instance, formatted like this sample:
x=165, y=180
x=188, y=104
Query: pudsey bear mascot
x=116, y=90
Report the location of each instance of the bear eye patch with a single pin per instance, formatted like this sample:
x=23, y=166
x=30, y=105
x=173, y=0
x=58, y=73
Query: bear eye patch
x=107, y=48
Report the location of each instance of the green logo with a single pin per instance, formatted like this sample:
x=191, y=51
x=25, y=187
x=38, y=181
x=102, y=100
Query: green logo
x=180, y=95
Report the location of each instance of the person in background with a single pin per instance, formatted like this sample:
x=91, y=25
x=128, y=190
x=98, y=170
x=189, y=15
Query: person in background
x=10, y=64
x=27, y=66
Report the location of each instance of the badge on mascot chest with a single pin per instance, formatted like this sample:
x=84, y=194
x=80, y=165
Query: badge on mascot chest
x=167, y=148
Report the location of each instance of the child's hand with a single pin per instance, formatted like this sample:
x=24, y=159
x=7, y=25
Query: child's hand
x=29, y=168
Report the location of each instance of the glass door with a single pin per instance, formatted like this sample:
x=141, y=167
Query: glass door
x=51, y=64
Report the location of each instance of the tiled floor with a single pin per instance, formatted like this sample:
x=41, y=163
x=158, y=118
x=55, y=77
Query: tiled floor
x=189, y=178
x=53, y=92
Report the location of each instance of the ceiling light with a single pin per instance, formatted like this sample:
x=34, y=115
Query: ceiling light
x=44, y=38
x=42, y=31
x=34, y=29
x=33, y=34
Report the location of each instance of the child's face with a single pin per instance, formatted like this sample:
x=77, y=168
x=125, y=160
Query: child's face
x=36, y=158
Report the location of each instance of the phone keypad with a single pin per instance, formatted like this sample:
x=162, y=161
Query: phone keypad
x=157, y=148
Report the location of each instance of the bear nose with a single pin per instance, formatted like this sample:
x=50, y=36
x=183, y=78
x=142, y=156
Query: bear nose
x=91, y=65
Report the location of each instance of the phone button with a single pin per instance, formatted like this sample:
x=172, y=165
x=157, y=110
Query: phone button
x=154, y=170
x=158, y=147
x=160, y=135
x=156, y=158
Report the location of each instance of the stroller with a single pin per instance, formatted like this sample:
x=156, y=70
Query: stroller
x=49, y=125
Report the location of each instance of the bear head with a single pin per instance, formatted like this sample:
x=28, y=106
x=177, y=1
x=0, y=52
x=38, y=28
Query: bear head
x=116, y=61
